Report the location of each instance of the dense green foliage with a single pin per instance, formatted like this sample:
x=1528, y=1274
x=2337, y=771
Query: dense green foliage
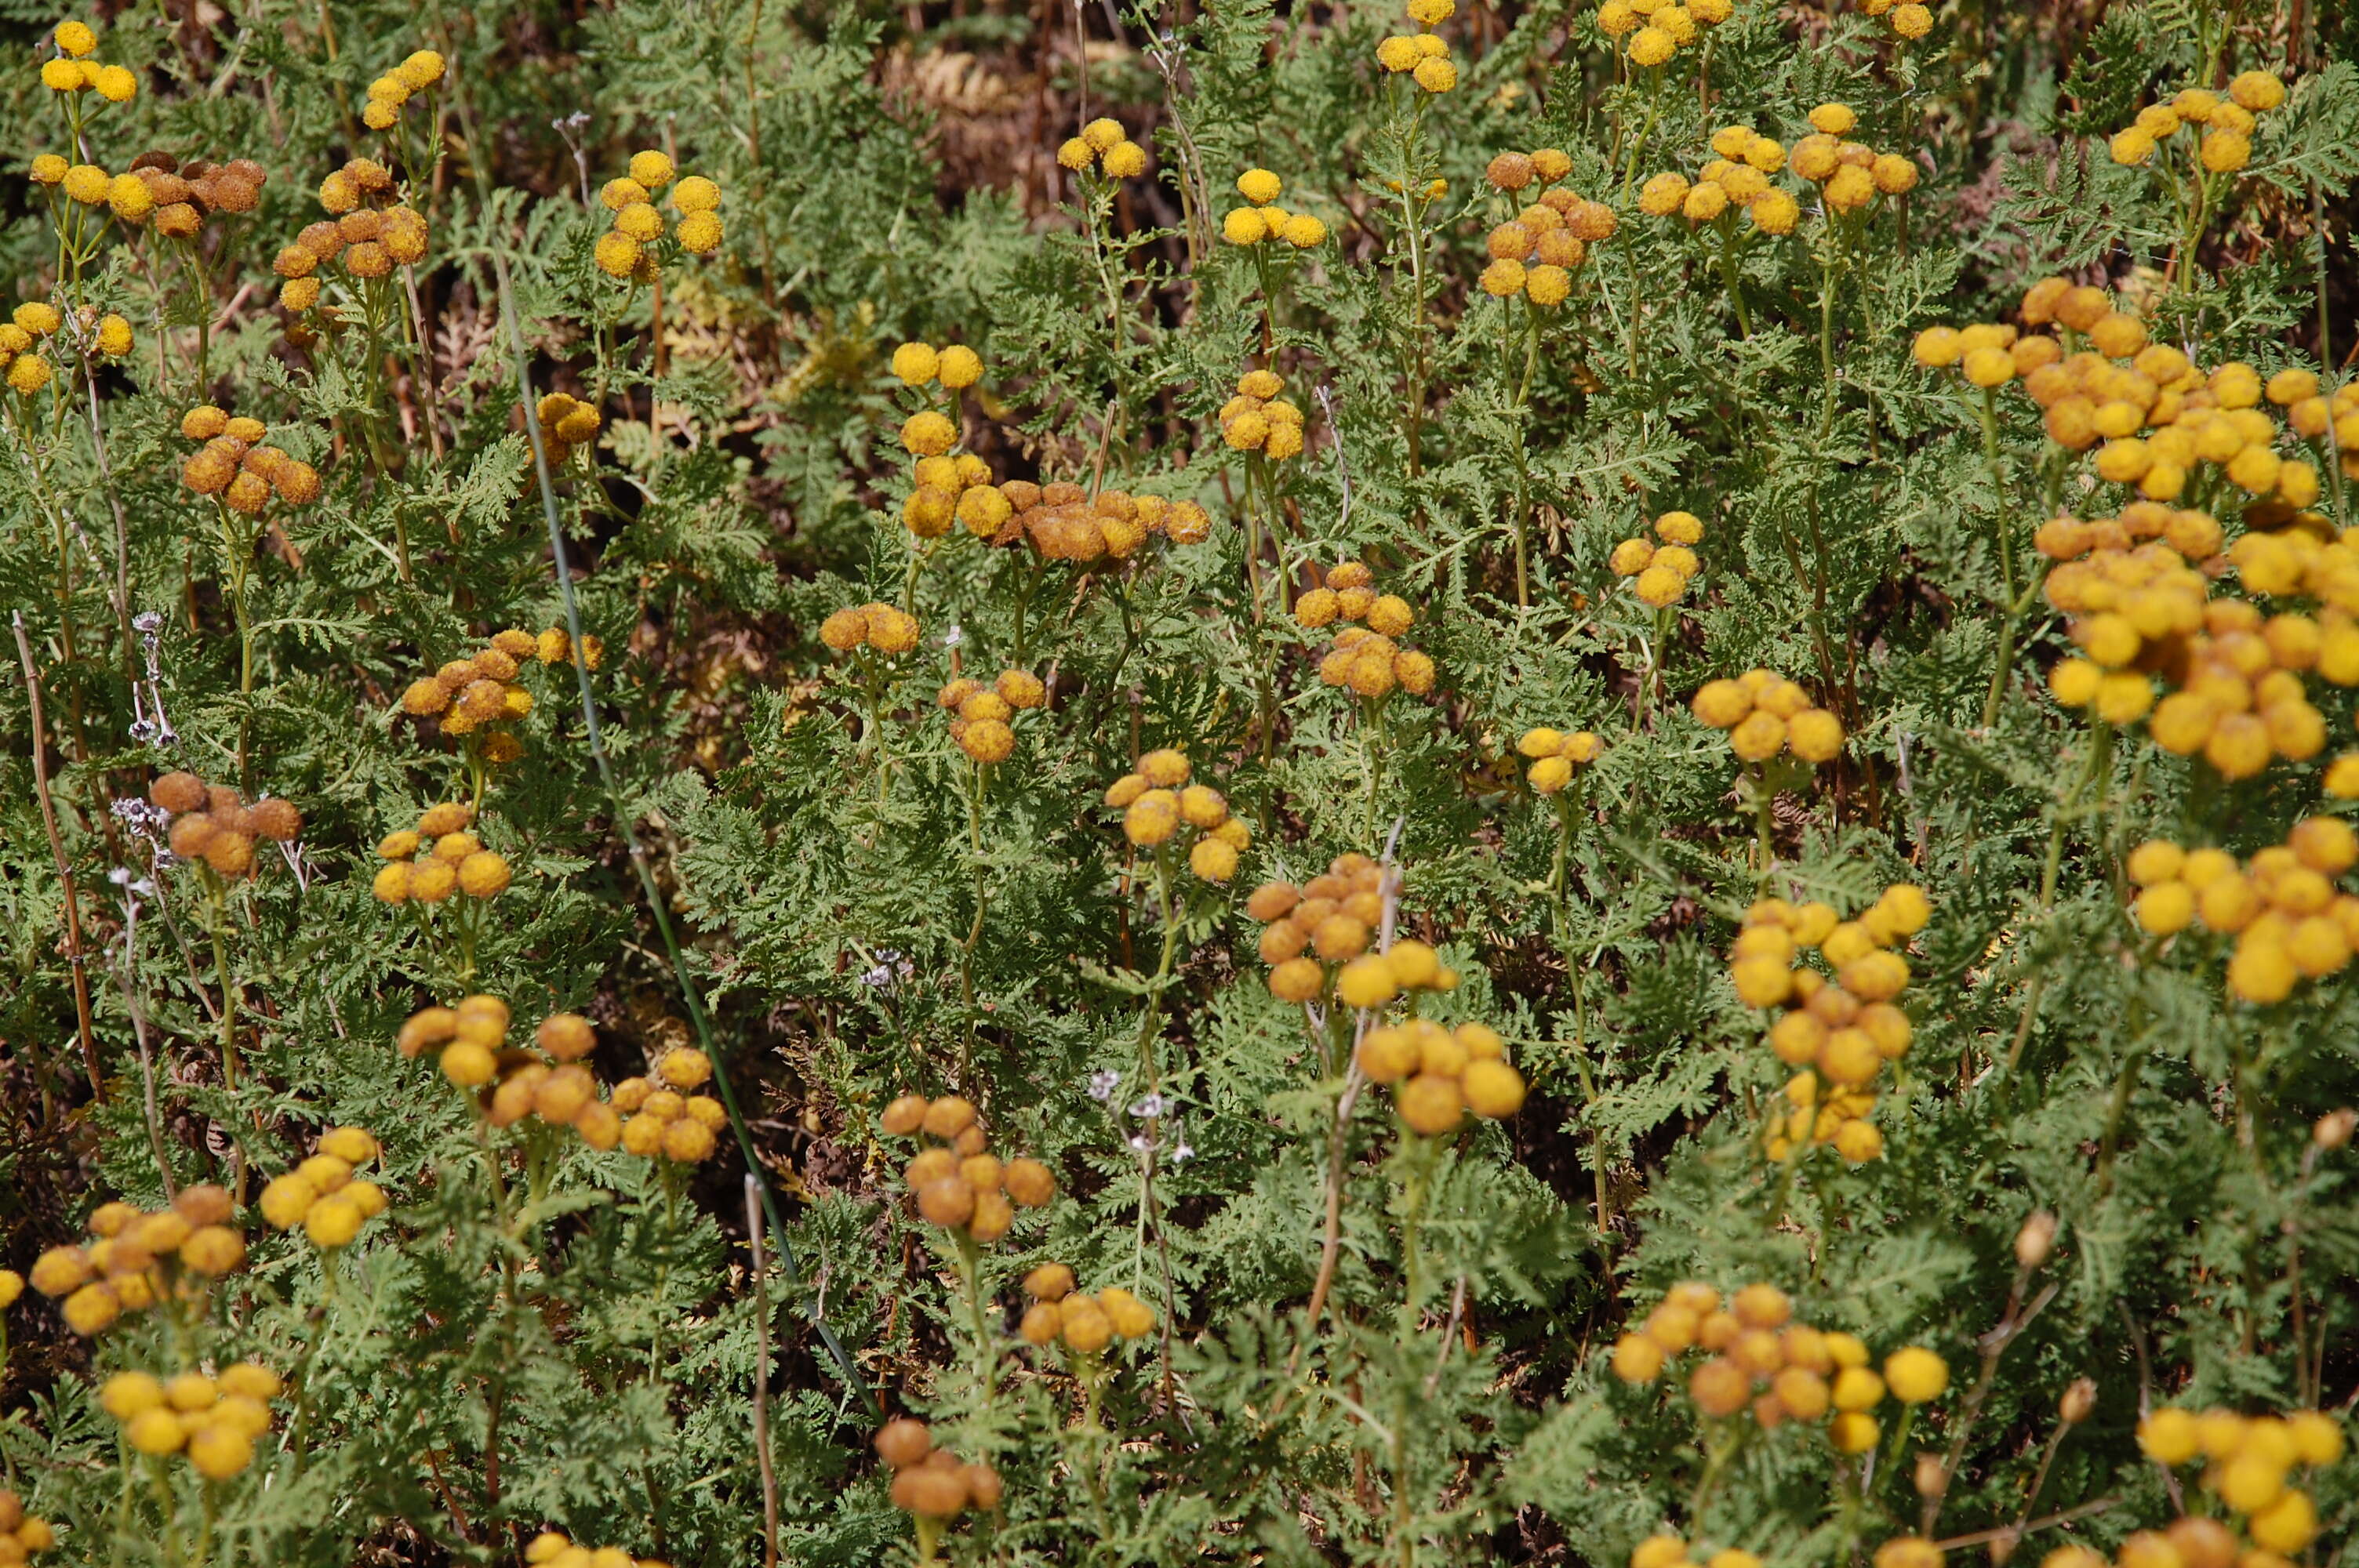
x=2112, y=1150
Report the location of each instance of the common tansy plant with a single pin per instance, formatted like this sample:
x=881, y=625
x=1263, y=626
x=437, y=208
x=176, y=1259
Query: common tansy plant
x=1405, y=786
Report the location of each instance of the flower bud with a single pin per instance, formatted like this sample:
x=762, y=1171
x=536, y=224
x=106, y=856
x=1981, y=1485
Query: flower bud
x=2333, y=1129
x=2079, y=1401
x=1932, y=1477
x=2036, y=1239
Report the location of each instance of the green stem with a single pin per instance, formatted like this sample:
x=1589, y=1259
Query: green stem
x=1637, y=145
x=971, y=1279
x=228, y=991
x=2326, y=352
x=1567, y=804
x=1253, y=540
x=1531, y=339
x=1986, y=411
x=1412, y=213
x=1730, y=277
x=1420, y=1156
x=2100, y=757
x=979, y=781
x=1719, y=1447
x=1148, y=1069
x=1763, y=822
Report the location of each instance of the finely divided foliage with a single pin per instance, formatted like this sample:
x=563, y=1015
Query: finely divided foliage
x=1118, y=785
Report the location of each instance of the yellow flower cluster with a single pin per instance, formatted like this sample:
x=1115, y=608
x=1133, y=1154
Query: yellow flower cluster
x=1737, y=176
x=1085, y=1322
x=2289, y=554
x=1336, y=915
x=322, y=1195
x=1654, y=30
x=2249, y=1461
x=623, y=251
x=1764, y=714
x=663, y=1114
x=1422, y=56
x=566, y=1094
x=1842, y=1026
x=567, y=423
x=1263, y=221
x=483, y=692
x=1105, y=143
x=1556, y=756
x=175, y=197
x=1514, y=173
x=939, y=496
x=20, y=340
x=1784, y=1370
x=1156, y=802
x=554, y=1549
x=369, y=242
x=2192, y=418
x=389, y=93
x=135, y=1257
x=1910, y=19
x=930, y=1482
x=552, y=1086
x=27, y=368
x=426, y=864
x=1909, y=1552
x=1849, y=174
x=2190, y=537
x=212, y=822
x=27, y=1534
x=2291, y=921
x=958, y=1184
x=872, y=625
x=236, y=465
x=469, y=1037
x=2191, y=1540
x=1064, y=523
x=1667, y=1551
x=955, y=366
x=2239, y=700
x=1366, y=657
x=2134, y=608
x=85, y=184
x=1438, y=1075
x=2290, y=551
x=1664, y=569
x=212, y=1420
x=982, y=716
x=370, y=234
x=2332, y=423
x=1258, y=420
x=2228, y=124
x=74, y=72
x=945, y=489
x=1533, y=253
